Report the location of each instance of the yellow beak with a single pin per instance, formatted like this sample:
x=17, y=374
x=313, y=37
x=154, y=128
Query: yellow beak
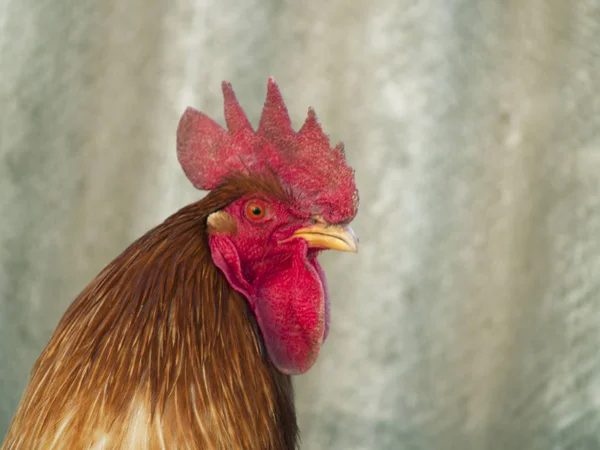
x=332, y=237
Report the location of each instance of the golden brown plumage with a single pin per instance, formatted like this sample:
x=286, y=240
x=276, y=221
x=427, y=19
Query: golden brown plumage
x=188, y=338
x=149, y=357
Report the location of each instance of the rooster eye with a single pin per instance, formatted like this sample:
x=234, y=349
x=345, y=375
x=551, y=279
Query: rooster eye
x=255, y=210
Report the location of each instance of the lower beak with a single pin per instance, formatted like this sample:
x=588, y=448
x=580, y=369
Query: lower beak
x=332, y=237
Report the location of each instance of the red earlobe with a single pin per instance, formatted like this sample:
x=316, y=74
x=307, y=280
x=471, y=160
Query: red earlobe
x=226, y=258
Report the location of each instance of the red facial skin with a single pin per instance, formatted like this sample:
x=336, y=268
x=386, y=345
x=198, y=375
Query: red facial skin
x=283, y=282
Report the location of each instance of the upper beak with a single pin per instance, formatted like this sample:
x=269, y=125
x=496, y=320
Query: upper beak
x=334, y=237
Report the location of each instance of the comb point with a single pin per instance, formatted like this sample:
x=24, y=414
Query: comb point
x=275, y=121
x=235, y=117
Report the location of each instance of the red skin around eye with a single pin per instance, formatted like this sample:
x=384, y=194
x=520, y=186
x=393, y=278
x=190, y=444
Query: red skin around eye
x=283, y=282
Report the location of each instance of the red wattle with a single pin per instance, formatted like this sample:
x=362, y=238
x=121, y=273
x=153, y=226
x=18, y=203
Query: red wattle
x=288, y=297
x=290, y=306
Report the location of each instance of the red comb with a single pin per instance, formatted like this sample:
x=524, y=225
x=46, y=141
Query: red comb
x=304, y=161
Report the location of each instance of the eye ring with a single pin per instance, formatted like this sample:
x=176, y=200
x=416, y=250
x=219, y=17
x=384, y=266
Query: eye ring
x=256, y=210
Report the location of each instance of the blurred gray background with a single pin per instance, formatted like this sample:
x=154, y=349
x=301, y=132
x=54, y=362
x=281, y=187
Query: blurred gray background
x=470, y=319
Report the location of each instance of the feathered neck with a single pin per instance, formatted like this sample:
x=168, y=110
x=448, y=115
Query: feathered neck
x=159, y=349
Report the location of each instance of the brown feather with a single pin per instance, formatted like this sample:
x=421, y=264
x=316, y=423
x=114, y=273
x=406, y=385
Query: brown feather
x=159, y=352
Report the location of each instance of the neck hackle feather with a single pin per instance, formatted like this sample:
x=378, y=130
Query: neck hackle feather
x=158, y=352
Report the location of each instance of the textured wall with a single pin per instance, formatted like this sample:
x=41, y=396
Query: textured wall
x=470, y=319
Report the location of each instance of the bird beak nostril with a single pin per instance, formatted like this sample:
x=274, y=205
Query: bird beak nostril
x=318, y=220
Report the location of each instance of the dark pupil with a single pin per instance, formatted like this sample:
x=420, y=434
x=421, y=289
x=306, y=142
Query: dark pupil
x=256, y=210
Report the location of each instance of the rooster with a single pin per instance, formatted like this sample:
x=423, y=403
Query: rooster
x=187, y=340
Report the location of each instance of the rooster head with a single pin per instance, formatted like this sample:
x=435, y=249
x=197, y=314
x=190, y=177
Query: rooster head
x=296, y=197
